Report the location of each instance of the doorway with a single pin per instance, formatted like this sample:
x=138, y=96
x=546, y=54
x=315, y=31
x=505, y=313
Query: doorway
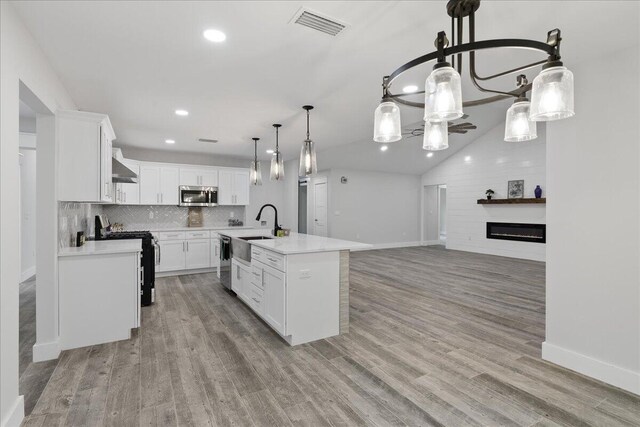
x=303, y=185
x=434, y=221
x=319, y=206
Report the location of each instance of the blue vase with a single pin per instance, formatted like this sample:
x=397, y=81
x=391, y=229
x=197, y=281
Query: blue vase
x=538, y=192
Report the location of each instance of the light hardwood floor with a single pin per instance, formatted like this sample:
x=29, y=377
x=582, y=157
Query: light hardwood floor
x=437, y=337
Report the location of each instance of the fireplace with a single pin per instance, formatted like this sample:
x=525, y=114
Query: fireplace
x=516, y=231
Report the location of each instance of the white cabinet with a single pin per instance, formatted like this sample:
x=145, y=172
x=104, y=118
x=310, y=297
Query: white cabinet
x=128, y=194
x=215, y=251
x=84, y=157
x=171, y=255
x=206, y=177
x=241, y=280
x=158, y=184
x=233, y=187
x=198, y=253
x=273, y=287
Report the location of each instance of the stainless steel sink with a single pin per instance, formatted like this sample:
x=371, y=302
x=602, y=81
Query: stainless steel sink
x=241, y=248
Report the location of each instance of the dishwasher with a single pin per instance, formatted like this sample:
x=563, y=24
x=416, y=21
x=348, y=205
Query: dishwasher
x=225, y=261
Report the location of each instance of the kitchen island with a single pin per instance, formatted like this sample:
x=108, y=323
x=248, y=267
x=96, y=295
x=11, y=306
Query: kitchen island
x=299, y=284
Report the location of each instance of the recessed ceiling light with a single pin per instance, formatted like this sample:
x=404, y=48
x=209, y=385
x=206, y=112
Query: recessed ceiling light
x=410, y=89
x=215, y=36
x=182, y=113
x=467, y=158
x=429, y=154
x=384, y=148
x=270, y=151
x=170, y=141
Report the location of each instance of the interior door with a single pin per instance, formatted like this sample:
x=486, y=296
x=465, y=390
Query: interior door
x=320, y=207
x=169, y=184
x=241, y=187
x=198, y=253
x=149, y=181
x=225, y=187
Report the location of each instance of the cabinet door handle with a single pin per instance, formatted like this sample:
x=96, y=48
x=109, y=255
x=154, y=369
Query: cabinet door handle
x=161, y=197
x=187, y=246
x=272, y=259
x=183, y=247
x=258, y=302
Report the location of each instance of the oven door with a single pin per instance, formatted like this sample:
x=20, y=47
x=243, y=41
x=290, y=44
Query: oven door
x=194, y=196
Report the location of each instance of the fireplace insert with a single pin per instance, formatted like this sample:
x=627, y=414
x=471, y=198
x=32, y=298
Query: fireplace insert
x=517, y=231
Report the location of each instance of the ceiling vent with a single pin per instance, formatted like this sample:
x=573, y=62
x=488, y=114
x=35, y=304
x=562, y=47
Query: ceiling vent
x=212, y=141
x=318, y=22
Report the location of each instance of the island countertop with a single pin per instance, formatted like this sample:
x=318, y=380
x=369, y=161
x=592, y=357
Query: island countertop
x=296, y=243
x=103, y=247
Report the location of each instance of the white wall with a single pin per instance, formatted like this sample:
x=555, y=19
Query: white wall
x=21, y=60
x=489, y=162
x=593, y=216
x=374, y=207
x=27, y=206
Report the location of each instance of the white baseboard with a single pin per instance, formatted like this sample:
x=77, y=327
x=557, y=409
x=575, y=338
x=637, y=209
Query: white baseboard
x=603, y=371
x=15, y=415
x=46, y=351
x=389, y=246
x=28, y=274
x=185, y=272
x=432, y=242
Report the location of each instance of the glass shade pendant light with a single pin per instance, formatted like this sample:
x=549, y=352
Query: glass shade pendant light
x=387, y=127
x=255, y=174
x=308, y=165
x=442, y=94
x=552, y=93
x=518, y=125
x=277, y=163
x=436, y=136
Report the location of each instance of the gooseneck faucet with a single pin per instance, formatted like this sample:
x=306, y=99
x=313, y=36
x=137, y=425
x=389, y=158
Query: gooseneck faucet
x=276, y=227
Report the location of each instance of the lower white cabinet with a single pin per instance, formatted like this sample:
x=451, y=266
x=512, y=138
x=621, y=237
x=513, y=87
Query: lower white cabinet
x=171, y=255
x=197, y=254
x=241, y=280
x=273, y=286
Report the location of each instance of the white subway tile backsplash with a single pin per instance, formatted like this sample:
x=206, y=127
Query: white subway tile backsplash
x=164, y=217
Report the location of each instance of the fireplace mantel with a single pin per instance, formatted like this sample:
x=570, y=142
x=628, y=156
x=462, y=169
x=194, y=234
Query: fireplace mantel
x=512, y=201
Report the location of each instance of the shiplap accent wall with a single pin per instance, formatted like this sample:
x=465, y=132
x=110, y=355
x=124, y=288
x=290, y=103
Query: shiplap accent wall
x=489, y=162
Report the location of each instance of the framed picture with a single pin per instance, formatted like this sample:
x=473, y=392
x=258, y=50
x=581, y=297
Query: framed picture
x=515, y=189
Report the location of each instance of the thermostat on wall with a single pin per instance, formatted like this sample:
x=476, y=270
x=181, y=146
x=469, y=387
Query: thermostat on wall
x=343, y=180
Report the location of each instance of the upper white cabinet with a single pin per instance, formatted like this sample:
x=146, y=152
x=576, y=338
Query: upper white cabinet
x=207, y=177
x=233, y=187
x=158, y=184
x=128, y=194
x=84, y=159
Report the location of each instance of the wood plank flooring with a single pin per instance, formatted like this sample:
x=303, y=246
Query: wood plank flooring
x=436, y=338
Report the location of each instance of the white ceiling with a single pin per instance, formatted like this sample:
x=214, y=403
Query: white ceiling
x=139, y=61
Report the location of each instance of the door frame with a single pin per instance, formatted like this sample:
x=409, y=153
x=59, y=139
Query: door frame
x=423, y=211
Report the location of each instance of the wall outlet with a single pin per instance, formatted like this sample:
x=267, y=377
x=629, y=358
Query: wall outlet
x=63, y=223
x=305, y=274
x=150, y=214
x=337, y=213
x=232, y=214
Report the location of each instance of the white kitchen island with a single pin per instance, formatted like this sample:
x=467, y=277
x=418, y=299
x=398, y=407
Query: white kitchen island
x=298, y=284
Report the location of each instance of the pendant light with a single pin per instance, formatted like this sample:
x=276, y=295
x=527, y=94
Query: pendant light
x=387, y=126
x=255, y=175
x=277, y=163
x=552, y=93
x=518, y=125
x=436, y=136
x=308, y=165
x=442, y=94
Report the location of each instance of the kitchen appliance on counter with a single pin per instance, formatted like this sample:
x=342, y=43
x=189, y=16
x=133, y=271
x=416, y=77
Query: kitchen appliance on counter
x=150, y=255
x=193, y=195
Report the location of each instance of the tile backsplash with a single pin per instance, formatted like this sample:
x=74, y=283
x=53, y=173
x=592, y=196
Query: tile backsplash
x=74, y=217
x=161, y=217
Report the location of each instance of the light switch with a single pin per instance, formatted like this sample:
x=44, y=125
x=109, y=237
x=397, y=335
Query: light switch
x=305, y=274
x=336, y=213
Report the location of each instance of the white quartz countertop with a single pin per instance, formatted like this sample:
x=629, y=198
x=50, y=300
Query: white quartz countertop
x=103, y=247
x=296, y=243
x=212, y=228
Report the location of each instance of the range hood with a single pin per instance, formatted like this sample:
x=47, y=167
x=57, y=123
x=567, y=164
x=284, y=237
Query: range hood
x=119, y=172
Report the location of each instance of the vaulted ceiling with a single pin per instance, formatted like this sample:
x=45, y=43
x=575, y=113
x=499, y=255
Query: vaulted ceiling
x=140, y=61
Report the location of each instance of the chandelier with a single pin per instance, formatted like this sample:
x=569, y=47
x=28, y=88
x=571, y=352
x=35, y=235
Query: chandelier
x=551, y=90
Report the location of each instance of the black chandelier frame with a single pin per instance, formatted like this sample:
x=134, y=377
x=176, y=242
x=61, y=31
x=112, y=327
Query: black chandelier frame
x=458, y=10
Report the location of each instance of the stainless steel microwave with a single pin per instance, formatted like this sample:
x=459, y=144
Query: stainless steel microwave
x=191, y=195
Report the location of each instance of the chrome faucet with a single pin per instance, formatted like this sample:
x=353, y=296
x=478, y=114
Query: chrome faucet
x=276, y=227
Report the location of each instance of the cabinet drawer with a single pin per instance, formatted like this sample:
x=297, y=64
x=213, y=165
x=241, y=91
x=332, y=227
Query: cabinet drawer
x=202, y=234
x=256, y=277
x=171, y=235
x=256, y=298
x=269, y=258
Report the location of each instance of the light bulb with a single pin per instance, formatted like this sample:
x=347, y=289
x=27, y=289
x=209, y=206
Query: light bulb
x=387, y=127
x=443, y=95
x=308, y=164
x=436, y=136
x=518, y=125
